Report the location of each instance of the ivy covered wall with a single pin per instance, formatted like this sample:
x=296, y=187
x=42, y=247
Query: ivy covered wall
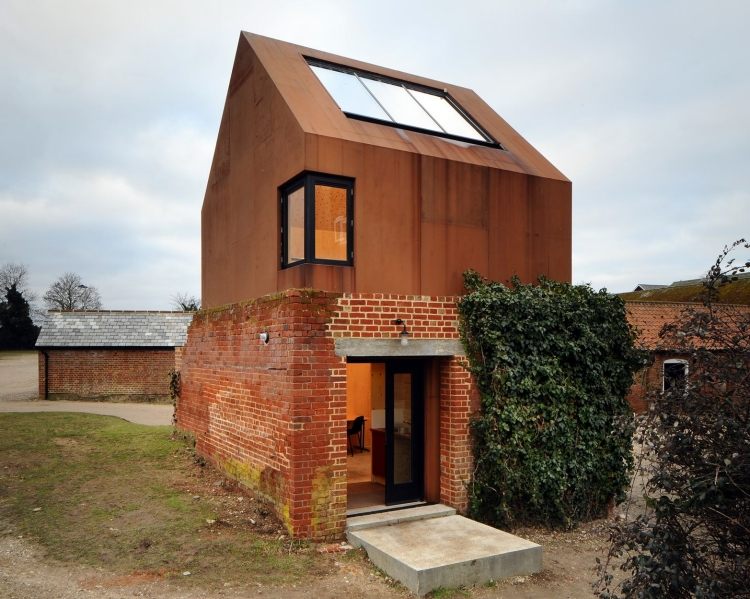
x=553, y=363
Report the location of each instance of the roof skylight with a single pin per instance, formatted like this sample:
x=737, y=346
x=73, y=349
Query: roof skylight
x=371, y=97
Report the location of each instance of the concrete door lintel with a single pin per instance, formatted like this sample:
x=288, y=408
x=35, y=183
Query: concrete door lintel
x=368, y=347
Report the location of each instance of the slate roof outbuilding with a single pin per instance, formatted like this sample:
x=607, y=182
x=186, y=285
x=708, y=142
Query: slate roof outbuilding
x=113, y=328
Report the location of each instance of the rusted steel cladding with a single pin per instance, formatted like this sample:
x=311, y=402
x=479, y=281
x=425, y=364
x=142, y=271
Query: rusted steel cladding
x=425, y=208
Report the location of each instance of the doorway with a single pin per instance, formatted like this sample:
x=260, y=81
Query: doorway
x=385, y=458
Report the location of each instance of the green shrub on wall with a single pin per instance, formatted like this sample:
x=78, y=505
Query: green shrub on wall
x=553, y=363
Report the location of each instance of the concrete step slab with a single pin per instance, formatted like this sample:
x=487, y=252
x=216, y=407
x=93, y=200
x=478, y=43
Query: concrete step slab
x=423, y=512
x=451, y=551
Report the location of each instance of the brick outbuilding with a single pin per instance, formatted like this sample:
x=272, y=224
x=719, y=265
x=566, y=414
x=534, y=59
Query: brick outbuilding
x=110, y=355
x=669, y=359
x=344, y=202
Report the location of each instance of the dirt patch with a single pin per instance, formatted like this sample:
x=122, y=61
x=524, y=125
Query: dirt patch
x=119, y=582
x=26, y=574
x=238, y=507
x=569, y=563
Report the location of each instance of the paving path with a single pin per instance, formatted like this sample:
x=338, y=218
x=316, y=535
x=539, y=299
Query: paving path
x=19, y=391
x=151, y=414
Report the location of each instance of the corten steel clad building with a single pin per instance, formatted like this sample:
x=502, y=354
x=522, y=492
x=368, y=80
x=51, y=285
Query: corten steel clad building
x=344, y=202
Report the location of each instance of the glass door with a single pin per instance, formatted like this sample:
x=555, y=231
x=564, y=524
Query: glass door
x=404, y=442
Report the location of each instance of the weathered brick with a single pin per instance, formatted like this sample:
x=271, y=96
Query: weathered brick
x=122, y=374
x=274, y=415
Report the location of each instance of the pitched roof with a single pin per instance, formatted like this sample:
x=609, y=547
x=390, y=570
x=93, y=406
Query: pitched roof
x=649, y=319
x=316, y=112
x=110, y=328
x=733, y=292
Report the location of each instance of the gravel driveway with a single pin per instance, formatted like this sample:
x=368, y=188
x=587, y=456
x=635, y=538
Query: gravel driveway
x=19, y=375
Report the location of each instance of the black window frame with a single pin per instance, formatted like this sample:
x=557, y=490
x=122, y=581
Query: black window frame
x=489, y=141
x=307, y=181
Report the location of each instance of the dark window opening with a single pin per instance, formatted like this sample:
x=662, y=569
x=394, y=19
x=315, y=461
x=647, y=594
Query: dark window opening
x=366, y=96
x=675, y=375
x=317, y=220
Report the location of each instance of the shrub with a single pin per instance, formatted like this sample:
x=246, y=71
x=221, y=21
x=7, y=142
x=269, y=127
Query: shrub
x=694, y=538
x=553, y=363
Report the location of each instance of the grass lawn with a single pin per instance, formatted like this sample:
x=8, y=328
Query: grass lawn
x=100, y=491
x=132, y=502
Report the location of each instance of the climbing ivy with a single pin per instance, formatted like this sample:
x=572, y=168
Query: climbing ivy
x=553, y=363
x=175, y=385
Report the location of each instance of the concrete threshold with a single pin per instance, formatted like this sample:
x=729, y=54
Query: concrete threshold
x=396, y=516
x=373, y=509
x=436, y=548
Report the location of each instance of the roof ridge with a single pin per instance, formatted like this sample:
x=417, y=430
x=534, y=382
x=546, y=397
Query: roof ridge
x=667, y=303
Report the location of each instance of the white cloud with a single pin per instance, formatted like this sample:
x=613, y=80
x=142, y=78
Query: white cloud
x=109, y=114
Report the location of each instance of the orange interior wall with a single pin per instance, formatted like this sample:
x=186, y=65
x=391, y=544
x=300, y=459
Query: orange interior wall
x=358, y=399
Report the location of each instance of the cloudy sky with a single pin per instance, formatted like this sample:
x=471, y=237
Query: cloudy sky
x=109, y=113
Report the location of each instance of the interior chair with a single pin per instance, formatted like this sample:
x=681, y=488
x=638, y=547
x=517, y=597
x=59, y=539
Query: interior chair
x=355, y=429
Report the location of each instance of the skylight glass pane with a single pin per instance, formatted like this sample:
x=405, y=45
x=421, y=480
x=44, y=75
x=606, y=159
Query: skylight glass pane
x=449, y=118
x=349, y=93
x=400, y=105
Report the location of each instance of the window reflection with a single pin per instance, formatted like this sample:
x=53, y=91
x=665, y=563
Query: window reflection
x=399, y=104
x=296, y=224
x=402, y=445
x=446, y=115
x=330, y=215
x=349, y=93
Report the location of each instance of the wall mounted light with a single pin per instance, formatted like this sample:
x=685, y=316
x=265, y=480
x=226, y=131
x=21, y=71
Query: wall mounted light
x=404, y=334
x=264, y=337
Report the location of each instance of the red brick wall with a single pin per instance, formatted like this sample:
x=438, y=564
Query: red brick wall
x=426, y=317
x=178, y=351
x=372, y=315
x=273, y=415
x=458, y=401
x=649, y=380
x=122, y=374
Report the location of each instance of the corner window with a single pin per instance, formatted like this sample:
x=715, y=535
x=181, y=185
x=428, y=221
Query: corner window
x=317, y=220
x=674, y=375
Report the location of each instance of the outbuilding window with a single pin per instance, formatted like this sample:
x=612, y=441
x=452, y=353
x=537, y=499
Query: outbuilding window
x=317, y=220
x=674, y=375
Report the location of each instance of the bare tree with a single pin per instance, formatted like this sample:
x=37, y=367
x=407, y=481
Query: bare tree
x=186, y=302
x=69, y=293
x=12, y=273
